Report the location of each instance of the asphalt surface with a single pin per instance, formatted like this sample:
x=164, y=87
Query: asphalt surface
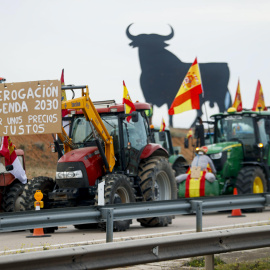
x=66, y=236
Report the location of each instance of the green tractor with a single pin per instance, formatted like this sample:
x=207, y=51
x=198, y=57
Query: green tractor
x=240, y=153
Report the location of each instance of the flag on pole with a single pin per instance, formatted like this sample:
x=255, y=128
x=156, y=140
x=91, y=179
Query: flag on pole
x=7, y=150
x=64, y=98
x=128, y=104
x=238, y=99
x=259, y=104
x=188, y=97
x=163, y=125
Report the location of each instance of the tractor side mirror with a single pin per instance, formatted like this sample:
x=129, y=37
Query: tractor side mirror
x=134, y=117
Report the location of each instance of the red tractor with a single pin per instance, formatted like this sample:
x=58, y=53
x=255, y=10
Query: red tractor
x=103, y=147
x=10, y=188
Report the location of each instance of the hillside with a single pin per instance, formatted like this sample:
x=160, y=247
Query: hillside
x=40, y=161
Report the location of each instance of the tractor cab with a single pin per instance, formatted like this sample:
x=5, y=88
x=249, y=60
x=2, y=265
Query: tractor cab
x=130, y=136
x=247, y=130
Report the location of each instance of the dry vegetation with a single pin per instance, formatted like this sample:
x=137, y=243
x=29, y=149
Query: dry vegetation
x=39, y=160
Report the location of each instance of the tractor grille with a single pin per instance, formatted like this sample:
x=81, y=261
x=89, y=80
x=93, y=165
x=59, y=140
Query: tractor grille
x=72, y=182
x=219, y=163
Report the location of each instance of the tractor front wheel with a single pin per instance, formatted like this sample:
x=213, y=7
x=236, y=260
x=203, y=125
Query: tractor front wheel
x=12, y=197
x=251, y=180
x=117, y=190
x=45, y=185
x=157, y=182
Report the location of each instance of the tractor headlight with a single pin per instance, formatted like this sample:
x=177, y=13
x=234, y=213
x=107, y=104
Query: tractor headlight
x=216, y=156
x=74, y=174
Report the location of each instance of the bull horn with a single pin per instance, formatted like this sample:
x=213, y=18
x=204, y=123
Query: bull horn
x=128, y=33
x=170, y=35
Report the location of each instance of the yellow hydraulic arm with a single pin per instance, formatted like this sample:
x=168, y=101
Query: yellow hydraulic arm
x=85, y=104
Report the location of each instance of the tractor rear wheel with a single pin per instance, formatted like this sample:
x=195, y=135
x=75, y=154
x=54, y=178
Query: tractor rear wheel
x=157, y=182
x=45, y=185
x=251, y=180
x=12, y=197
x=117, y=190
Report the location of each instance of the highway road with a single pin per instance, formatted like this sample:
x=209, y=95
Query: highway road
x=66, y=236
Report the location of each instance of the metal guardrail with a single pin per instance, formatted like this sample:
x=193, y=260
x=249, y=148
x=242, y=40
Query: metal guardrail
x=109, y=213
x=134, y=252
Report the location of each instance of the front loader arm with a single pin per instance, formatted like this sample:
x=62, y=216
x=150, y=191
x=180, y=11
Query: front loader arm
x=68, y=144
x=85, y=104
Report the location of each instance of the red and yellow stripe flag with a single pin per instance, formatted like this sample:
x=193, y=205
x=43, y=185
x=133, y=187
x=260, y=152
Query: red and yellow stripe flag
x=129, y=106
x=64, y=97
x=163, y=125
x=188, y=97
x=259, y=104
x=238, y=99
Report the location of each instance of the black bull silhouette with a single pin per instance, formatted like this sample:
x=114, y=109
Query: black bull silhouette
x=163, y=73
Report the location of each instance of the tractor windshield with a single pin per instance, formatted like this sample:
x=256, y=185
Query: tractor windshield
x=236, y=128
x=233, y=128
x=84, y=132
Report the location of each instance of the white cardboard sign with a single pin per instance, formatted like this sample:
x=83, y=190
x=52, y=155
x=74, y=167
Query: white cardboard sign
x=30, y=108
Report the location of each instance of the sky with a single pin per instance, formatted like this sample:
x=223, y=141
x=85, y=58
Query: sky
x=88, y=39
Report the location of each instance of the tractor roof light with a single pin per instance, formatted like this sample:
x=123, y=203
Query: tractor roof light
x=231, y=110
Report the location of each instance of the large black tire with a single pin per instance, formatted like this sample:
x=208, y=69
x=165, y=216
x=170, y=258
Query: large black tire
x=251, y=179
x=45, y=185
x=179, y=168
x=117, y=190
x=157, y=182
x=12, y=197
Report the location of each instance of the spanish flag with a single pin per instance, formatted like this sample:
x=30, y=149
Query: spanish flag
x=64, y=97
x=238, y=99
x=65, y=124
x=196, y=187
x=188, y=97
x=7, y=150
x=129, y=106
x=163, y=125
x=259, y=104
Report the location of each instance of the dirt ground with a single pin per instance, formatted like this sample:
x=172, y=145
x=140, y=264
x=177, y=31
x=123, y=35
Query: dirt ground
x=40, y=161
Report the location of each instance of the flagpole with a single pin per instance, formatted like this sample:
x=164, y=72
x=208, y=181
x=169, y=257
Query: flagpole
x=206, y=117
